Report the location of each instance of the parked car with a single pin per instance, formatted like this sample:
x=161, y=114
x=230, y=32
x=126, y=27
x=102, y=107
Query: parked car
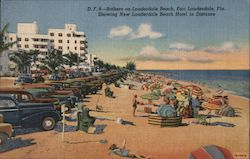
x=34, y=115
x=24, y=78
x=54, y=77
x=62, y=86
x=68, y=100
x=6, y=131
x=38, y=78
x=24, y=96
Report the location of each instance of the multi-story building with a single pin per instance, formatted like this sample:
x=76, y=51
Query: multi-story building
x=28, y=38
x=67, y=40
x=89, y=65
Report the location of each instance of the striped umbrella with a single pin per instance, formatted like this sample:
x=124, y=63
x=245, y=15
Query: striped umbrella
x=211, y=152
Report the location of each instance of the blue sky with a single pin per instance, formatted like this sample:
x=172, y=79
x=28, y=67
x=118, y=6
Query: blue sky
x=231, y=25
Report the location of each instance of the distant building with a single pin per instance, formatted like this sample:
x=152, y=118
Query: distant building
x=66, y=40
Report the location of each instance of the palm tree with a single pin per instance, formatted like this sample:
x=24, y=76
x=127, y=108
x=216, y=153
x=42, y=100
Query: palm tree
x=3, y=45
x=22, y=59
x=54, y=60
x=99, y=64
x=34, y=54
x=72, y=59
x=131, y=65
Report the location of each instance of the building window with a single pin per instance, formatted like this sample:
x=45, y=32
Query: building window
x=26, y=46
x=68, y=35
x=51, y=41
x=60, y=41
x=35, y=39
x=44, y=53
x=81, y=48
x=19, y=39
x=26, y=39
x=51, y=34
x=60, y=47
x=75, y=41
x=44, y=40
x=75, y=48
x=67, y=41
x=11, y=39
x=68, y=47
x=35, y=46
x=18, y=45
x=59, y=34
x=81, y=42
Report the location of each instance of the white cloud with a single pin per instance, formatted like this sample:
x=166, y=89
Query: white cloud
x=225, y=47
x=181, y=47
x=120, y=31
x=151, y=53
x=200, y=59
x=144, y=31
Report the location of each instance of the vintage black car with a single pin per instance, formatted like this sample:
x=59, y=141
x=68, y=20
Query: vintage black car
x=24, y=78
x=35, y=115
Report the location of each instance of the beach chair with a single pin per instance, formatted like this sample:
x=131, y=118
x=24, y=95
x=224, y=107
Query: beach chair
x=85, y=120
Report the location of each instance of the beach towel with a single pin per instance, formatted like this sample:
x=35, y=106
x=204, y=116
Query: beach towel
x=226, y=111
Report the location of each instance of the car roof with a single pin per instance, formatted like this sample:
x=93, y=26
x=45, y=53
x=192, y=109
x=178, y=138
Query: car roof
x=5, y=96
x=14, y=90
x=28, y=86
x=31, y=90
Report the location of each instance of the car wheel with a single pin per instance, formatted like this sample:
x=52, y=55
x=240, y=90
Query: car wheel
x=48, y=123
x=3, y=139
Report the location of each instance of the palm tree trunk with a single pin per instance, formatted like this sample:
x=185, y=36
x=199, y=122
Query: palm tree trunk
x=77, y=66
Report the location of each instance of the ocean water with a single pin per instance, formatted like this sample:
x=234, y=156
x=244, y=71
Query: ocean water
x=234, y=81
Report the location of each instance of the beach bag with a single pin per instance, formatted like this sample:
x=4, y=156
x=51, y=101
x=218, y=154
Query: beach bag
x=211, y=152
x=226, y=110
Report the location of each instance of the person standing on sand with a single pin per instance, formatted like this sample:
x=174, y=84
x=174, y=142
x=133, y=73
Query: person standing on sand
x=135, y=102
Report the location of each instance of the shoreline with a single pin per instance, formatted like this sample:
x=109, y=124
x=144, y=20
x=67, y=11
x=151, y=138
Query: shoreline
x=198, y=83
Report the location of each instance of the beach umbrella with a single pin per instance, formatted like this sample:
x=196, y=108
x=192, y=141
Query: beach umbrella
x=150, y=96
x=180, y=96
x=170, y=96
x=197, y=92
x=211, y=152
x=177, y=85
x=166, y=111
x=158, y=92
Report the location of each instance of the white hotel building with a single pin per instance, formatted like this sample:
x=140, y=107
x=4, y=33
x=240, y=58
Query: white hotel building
x=66, y=40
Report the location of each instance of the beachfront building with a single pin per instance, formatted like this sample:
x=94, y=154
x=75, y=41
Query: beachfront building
x=68, y=39
x=90, y=67
x=28, y=38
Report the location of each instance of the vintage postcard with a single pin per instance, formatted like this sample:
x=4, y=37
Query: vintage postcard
x=110, y=79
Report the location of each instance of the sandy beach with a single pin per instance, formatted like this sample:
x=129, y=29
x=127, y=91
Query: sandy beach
x=141, y=138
